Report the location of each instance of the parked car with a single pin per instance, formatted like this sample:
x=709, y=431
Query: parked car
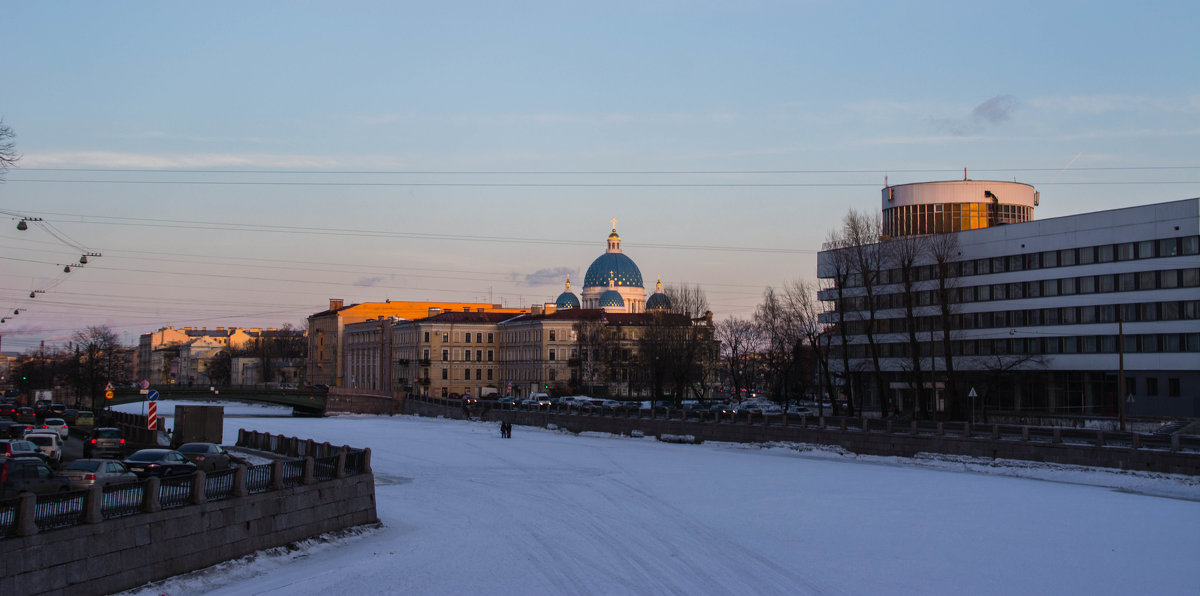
x=57, y=425
x=722, y=409
x=20, y=474
x=794, y=410
x=209, y=457
x=159, y=462
x=86, y=473
x=85, y=419
x=19, y=448
x=11, y=430
x=104, y=442
x=50, y=444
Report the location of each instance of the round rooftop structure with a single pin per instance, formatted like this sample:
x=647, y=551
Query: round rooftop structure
x=953, y=206
x=614, y=271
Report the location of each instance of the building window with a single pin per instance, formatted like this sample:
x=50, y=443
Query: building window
x=489, y=374
x=426, y=337
x=445, y=338
x=445, y=374
x=478, y=338
x=466, y=338
x=425, y=354
x=1151, y=386
x=1066, y=257
x=1172, y=386
x=552, y=354
x=445, y=355
x=467, y=355
x=490, y=338
x=479, y=374
x=467, y=374
x=553, y=374
x=551, y=337
x=489, y=355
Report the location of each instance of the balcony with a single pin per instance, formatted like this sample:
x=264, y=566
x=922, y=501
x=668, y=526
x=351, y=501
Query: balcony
x=423, y=362
x=424, y=381
x=574, y=362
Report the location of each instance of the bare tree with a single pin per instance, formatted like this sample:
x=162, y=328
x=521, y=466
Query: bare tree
x=97, y=361
x=861, y=232
x=807, y=310
x=840, y=262
x=8, y=149
x=945, y=251
x=595, y=351
x=687, y=300
x=905, y=253
x=740, y=345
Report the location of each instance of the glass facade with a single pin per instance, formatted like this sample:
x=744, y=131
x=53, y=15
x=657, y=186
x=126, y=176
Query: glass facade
x=941, y=218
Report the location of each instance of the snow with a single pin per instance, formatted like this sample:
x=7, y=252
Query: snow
x=548, y=512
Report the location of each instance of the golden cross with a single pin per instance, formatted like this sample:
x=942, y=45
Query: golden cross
x=614, y=224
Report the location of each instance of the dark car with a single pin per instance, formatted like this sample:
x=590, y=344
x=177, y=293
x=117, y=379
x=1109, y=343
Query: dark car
x=105, y=442
x=209, y=457
x=20, y=474
x=8, y=411
x=70, y=415
x=159, y=462
x=86, y=473
x=57, y=409
x=26, y=415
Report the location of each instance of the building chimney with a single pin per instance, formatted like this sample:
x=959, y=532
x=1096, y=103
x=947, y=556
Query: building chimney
x=435, y=311
x=335, y=303
x=536, y=309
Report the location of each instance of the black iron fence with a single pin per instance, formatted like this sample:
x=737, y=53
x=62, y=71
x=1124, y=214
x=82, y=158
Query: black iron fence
x=29, y=513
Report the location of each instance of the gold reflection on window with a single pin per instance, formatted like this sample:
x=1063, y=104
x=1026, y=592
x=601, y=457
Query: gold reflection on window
x=908, y=220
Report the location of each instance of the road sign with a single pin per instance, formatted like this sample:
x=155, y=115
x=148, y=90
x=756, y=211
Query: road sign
x=152, y=414
x=108, y=387
x=145, y=384
x=972, y=393
x=152, y=396
x=108, y=394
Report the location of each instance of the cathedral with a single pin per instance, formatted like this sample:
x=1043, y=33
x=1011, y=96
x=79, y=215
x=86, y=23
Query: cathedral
x=613, y=283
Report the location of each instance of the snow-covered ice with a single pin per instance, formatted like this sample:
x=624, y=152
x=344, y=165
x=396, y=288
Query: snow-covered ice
x=547, y=512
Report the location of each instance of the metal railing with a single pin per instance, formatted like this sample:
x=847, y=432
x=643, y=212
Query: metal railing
x=59, y=510
x=219, y=485
x=258, y=478
x=120, y=500
x=176, y=492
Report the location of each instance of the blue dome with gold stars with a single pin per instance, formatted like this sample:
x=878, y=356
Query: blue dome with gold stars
x=616, y=265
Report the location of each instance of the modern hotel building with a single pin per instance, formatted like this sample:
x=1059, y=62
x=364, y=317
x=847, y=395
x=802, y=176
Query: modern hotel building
x=1046, y=315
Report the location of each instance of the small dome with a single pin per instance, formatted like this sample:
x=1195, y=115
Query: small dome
x=566, y=300
x=658, y=301
x=612, y=299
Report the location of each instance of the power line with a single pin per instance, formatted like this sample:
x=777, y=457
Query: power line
x=601, y=172
x=559, y=184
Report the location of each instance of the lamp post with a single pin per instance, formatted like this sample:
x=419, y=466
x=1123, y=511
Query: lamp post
x=1121, y=366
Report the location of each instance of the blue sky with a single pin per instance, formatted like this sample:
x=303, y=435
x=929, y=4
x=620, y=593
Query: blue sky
x=509, y=136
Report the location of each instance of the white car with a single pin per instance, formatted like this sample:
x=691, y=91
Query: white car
x=57, y=425
x=49, y=443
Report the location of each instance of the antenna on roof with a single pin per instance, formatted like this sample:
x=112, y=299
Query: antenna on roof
x=965, y=174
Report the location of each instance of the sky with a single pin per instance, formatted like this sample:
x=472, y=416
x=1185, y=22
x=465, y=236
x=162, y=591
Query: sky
x=547, y=512
x=239, y=164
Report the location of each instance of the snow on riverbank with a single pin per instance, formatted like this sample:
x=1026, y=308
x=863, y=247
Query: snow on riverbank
x=548, y=512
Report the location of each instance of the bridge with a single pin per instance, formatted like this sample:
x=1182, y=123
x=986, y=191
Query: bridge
x=304, y=402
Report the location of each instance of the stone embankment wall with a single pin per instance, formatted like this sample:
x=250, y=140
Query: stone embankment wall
x=1126, y=451
x=107, y=556
x=359, y=401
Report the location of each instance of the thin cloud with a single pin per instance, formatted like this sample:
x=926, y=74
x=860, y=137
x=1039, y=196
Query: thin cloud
x=369, y=282
x=543, y=277
x=995, y=111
